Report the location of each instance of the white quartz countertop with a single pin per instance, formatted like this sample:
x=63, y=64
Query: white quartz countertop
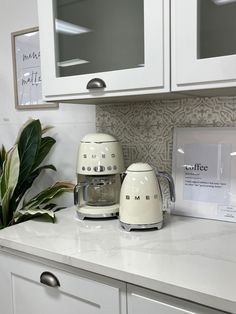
x=191, y=258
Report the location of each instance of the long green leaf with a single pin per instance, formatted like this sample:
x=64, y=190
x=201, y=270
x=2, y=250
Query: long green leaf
x=23, y=215
x=28, y=147
x=1, y=224
x=45, y=147
x=10, y=166
x=22, y=128
x=51, y=193
x=6, y=216
x=2, y=157
x=10, y=170
x=50, y=206
x=8, y=182
x=30, y=180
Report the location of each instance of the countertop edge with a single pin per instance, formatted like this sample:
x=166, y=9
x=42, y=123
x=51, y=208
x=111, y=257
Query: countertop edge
x=135, y=279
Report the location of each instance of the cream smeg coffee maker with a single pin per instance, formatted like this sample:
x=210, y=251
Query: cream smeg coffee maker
x=99, y=167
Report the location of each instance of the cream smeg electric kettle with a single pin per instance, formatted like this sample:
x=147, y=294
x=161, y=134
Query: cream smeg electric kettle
x=141, y=198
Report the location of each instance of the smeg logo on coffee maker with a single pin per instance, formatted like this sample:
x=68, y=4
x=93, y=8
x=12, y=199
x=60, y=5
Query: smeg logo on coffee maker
x=139, y=198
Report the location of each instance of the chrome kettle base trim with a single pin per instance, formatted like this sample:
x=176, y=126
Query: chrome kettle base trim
x=129, y=227
x=82, y=216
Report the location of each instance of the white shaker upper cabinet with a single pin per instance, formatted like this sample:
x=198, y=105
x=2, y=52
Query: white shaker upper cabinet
x=203, y=44
x=100, y=49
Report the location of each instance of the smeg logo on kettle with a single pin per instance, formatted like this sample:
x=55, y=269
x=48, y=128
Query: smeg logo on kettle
x=139, y=198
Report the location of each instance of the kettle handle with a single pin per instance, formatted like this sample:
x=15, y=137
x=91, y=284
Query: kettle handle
x=122, y=176
x=171, y=184
x=77, y=188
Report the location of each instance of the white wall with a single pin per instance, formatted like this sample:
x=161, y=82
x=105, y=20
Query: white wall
x=71, y=121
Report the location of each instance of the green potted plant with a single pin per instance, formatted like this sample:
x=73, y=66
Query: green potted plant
x=19, y=167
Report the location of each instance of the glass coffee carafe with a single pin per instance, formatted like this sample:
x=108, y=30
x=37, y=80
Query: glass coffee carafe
x=97, y=191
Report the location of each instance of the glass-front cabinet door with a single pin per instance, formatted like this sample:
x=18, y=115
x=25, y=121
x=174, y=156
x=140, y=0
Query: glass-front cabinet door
x=203, y=44
x=100, y=48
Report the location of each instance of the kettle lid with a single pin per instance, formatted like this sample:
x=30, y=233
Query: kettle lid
x=139, y=167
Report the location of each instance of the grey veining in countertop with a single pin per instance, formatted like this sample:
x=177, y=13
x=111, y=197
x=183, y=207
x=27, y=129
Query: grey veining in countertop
x=190, y=258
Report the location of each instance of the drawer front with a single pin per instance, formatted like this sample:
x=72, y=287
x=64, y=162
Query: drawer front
x=58, y=292
x=146, y=301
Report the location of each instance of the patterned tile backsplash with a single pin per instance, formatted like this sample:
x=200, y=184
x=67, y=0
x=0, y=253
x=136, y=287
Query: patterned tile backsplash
x=145, y=129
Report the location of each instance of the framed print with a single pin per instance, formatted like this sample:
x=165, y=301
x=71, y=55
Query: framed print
x=204, y=172
x=27, y=70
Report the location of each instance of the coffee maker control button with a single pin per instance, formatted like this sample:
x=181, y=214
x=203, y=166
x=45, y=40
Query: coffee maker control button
x=109, y=168
x=99, y=168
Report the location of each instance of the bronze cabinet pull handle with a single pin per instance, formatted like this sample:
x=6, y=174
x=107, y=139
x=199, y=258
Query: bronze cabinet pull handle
x=49, y=279
x=96, y=83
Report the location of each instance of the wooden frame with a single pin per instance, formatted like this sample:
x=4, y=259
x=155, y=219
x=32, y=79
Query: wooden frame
x=27, y=70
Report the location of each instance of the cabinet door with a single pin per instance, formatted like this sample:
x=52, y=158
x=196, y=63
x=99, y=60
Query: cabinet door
x=124, y=43
x=142, y=301
x=203, y=44
x=23, y=293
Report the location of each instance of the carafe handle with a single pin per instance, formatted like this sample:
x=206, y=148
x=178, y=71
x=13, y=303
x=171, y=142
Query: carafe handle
x=77, y=188
x=171, y=184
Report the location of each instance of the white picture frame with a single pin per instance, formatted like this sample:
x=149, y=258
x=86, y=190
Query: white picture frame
x=204, y=172
x=27, y=70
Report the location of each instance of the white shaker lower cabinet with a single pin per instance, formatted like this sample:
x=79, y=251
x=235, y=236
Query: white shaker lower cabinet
x=59, y=291
x=28, y=286
x=143, y=301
